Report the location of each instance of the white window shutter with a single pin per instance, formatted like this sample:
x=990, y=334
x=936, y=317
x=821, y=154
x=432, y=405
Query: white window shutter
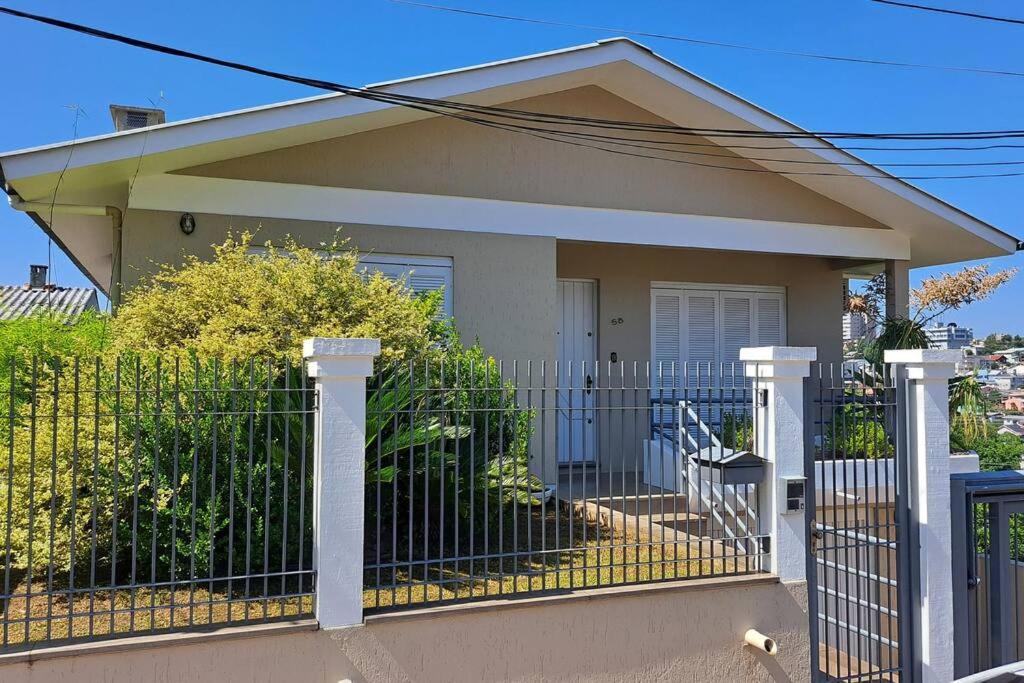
x=737, y=324
x=770, y=320
x=702, y=338
x=702, y=329
x=420, y=274
x=666, y=337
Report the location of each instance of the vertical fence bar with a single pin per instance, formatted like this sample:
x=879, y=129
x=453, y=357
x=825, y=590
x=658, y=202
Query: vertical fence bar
x=8, y=554
x=250, y=455
x=53, y=498
x=196, y=403
x=154, y=489
x=76, y=409
x=287, y=447
x=175, y=488
x=232, y=454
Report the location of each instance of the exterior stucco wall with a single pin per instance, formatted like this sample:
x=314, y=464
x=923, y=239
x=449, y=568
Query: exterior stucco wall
x=504, y=286
x=624, y=275
x=814, y=303
x=658, y=635
x=447, y=157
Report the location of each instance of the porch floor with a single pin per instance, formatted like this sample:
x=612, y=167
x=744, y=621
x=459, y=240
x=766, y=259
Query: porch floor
x=622, y=501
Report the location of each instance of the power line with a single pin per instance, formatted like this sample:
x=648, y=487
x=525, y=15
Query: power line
x=472, y=114
x=943, y=10
x=709, y=43
x=557, y=136
x=412, y=101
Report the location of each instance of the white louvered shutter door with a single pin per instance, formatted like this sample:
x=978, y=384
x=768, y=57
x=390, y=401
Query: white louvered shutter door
x=701, y=348
x=737, y=332
x=771, y=320
x=737, y=324
x=667, y=330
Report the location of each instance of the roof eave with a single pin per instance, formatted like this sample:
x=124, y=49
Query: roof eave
x=197, y=132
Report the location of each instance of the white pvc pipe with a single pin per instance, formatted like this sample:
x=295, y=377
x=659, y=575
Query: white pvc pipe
x=44, y=208
x=756, y=639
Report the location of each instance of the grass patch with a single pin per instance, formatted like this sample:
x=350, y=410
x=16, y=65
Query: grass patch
x=607, y=557
x=109, y=613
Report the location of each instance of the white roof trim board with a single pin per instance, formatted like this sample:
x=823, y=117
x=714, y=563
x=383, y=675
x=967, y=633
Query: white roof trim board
x=939, y=232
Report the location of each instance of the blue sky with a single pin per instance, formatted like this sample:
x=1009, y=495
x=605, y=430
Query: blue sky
x=363, y=41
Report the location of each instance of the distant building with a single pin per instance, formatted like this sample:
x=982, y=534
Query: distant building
x=856, y=326
x=1014, y=402
x=22, y=301
x=1014, y=355
x=1003, y=382
x=949, y=336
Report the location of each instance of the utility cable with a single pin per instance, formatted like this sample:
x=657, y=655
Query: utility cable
x=943, y=10
x=708, y=43
x=473, y=113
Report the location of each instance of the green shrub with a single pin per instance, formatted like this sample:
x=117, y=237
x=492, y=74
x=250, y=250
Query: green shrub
x=59, y=446
x=445, y=433
x=737, y=432
x=242, y=305
x=855, y=432
x=168, y=364
x=53, y=438
x=995, y=451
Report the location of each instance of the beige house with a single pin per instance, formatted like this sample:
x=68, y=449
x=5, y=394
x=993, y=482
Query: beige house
x=546, y=250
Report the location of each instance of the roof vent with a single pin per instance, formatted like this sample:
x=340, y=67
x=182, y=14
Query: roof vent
x=130, y=118
x=37, y=276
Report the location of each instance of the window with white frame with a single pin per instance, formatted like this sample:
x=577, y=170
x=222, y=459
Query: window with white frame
x=706, y=325
x=421, y=274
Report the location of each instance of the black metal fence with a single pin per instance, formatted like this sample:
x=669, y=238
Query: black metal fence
x=138, y=496
x=858, y=523
x=988, y=569
x=488, y=479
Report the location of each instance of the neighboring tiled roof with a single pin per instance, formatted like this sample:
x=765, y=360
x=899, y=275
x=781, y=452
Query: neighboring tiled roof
x=1016, y=430
x=20, y=301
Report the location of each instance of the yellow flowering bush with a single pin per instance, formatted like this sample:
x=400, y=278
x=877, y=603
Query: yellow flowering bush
x=74, y=475
x=249, y=303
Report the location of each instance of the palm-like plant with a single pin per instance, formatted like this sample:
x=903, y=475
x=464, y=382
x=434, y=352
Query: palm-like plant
x=967, y=406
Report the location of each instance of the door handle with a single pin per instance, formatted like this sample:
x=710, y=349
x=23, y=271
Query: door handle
x=589, y=383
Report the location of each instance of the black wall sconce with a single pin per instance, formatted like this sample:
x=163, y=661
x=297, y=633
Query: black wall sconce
x=187, y=223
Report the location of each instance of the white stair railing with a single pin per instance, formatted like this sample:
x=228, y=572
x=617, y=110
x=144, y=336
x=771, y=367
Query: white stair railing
x=713, y=497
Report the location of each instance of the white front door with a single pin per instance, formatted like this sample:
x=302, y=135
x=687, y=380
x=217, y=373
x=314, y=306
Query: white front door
x=577, y=359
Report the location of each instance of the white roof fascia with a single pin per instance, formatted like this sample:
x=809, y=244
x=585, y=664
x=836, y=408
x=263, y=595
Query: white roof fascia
x=467, y=84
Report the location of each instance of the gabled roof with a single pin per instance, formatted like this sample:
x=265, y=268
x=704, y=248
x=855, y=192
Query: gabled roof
x=100, y=168
x=66, y=303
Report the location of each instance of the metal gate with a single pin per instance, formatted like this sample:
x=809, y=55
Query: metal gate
x=988, y=569
x=858, y=524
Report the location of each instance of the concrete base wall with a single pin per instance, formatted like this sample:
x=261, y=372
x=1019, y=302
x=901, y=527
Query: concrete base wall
x=684, y=632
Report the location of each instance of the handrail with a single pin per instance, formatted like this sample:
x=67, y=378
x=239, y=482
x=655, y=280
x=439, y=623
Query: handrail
x=1007, y=673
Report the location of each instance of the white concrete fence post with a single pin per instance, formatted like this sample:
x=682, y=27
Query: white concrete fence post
x=778, y=374
x=928, y=372
x=340, y=367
